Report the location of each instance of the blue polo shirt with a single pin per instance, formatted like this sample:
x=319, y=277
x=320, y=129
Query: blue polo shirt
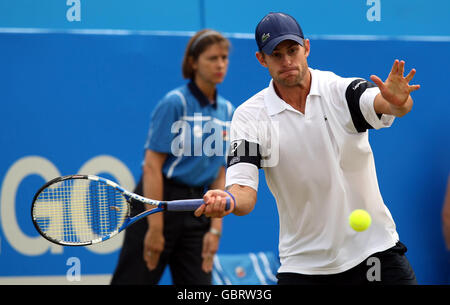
x=193, y=132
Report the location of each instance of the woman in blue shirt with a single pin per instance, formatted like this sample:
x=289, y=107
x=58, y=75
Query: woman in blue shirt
x=184, y=156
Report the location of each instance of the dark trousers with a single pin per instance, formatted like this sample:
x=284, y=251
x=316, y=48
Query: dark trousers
x=183, y=234
x=390, y=267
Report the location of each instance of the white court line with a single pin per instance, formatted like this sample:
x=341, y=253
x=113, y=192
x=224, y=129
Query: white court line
x=251, y=36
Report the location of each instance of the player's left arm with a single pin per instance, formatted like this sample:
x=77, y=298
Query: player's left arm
x=395, y=93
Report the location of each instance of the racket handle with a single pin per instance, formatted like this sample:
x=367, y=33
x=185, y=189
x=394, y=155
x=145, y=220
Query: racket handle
x=189, y=205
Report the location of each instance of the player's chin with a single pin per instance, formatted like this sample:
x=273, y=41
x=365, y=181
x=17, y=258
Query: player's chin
x=289, y=81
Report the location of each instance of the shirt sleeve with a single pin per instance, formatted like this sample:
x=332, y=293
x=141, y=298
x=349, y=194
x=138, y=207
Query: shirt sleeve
x=160, y=136
x=357, y=96
x=375, y=120
x=244, y=156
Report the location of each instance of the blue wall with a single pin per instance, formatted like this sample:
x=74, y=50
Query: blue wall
x=81, y=102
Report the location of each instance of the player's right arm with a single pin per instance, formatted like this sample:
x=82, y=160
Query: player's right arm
x=246, y=196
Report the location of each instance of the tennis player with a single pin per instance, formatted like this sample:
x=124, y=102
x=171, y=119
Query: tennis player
x=308, y=130
x=179, y=164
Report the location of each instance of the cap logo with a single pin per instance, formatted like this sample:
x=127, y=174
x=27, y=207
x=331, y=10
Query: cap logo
x=264, y=37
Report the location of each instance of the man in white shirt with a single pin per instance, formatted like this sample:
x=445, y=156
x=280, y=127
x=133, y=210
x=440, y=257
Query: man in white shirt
x=308, y=131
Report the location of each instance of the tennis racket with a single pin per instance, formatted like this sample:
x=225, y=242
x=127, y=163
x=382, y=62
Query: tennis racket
x=81, y=210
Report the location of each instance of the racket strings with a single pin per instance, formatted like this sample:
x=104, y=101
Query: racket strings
x=79, y=210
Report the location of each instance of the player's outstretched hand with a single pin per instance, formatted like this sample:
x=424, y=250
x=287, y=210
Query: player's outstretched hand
x=396, y=89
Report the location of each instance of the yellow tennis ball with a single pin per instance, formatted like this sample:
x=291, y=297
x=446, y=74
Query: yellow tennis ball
x=360, y=220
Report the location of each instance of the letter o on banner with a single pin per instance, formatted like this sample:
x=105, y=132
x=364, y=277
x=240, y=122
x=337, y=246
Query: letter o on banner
x=30, y=165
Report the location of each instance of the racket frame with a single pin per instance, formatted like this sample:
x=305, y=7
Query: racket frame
x=129, y=197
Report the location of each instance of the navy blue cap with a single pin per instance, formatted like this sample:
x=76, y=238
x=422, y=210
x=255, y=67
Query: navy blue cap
x=275, y=28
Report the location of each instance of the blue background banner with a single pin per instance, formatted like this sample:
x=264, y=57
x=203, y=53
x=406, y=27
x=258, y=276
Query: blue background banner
x=325, y=17
x=80, y=102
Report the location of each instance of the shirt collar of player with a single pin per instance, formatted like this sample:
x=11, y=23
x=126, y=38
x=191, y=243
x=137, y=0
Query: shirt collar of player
x=314, y=90
x=275, y=104
x=198, y=94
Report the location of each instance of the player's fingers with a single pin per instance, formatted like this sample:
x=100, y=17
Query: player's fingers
x=207, y=197
x=223, y=204
x=216, y=208
x=200, y=210
x=219, y=205
x=210, y=199
x=207, y=209
x=401, y=67
x=410, y=75
x=211, y=194
x=211, y=208
x=377, y=81
x=414, y=88
x=394, y=68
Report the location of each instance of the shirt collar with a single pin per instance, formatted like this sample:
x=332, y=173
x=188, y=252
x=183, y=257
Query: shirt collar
x=314, y=90
x=275, y=104
x=201, y=98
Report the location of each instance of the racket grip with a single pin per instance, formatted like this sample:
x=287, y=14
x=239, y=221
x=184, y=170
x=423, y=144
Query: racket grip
x=189, y=205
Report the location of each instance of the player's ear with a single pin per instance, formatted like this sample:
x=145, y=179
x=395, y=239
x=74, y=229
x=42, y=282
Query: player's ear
x=261, y=58
x=307, y=47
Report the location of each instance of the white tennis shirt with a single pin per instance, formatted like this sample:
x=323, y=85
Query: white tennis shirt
x=319, y=167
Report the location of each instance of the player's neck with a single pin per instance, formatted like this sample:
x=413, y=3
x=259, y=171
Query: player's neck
x=295, y=95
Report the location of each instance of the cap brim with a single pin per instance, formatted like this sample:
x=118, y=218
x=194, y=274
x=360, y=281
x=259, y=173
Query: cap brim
x=271, y=45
